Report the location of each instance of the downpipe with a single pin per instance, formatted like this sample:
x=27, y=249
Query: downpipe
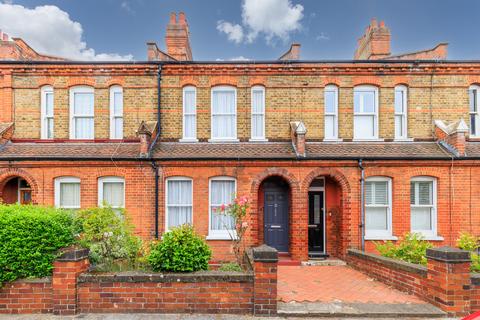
x=362, y=203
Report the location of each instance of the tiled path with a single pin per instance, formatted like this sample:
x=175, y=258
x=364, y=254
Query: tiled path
x=335, y=283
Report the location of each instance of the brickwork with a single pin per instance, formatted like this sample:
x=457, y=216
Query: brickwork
x=26, y=296
x=265, y=267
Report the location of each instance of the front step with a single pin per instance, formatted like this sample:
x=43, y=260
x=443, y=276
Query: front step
x=359, y=310
x=324, y=262
x=284, y=259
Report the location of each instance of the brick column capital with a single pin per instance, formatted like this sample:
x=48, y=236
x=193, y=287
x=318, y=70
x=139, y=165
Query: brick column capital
x=265, y=253
x=448, y=254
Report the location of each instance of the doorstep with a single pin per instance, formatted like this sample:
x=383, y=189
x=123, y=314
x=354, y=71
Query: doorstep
x=359, y=310
x=324, y=262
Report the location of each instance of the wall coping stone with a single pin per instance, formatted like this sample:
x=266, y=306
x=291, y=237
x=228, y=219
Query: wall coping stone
x=448, y=254
x=73, y=254
x=264, y=253
x=136, y=277
x=475, y=278
x=31, y=280
x=392, y=263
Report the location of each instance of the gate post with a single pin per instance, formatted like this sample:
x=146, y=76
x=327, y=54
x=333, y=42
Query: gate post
x=265, y=261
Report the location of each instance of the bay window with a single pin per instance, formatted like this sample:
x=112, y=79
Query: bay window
x=331, y=112
x=222, y=192
x=189, y=113
x=46, y=102
x=224, y=113
x=179, y=202
x=258, y=113
x=423, y=203
x=378, y=208
x=116, y=112
x=82, y=112
x=365, y=112
x=67, y=192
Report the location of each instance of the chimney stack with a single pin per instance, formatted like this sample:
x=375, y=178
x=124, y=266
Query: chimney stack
x=298, y=132
x=177, y=38
x=375, y=43
x=293, y=53
x=452, y=136
x=144, y=133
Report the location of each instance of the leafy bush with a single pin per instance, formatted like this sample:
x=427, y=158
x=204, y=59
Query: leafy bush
x=470, y=243
x=231, y=266
x=30, y=237
x=412, y=248
x=109, y=236
x=181, y=250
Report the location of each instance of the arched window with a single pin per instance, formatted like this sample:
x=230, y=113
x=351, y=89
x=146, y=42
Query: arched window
x=189, y=113
x=378, y=208
x=331, y=112
x=47, y=104
x=401, y=120
x=474, y=96
x=116, y=112
x=224, y=113
x=365, y=112
x=221, y=192
x=82, y=109
x=423, y=206
x=258, y=113
x=67, y=192
x=178, y=202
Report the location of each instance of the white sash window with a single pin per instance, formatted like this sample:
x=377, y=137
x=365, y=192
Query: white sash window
x=423, y=204
x=82, y=113
x=111, y=192
x=401, y=124
x=116, y=112
x=222, y=192
x=179, y=202
x=258, y=113
x=331, y=112
x=189, y=114
x=224, y=113
x=474, y=97
x=47, y=103
x=365, y=113
x=378, y=208
x=67, y=192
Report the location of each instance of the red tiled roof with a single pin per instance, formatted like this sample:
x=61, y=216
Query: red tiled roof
x=472, y=149
x=284, y=150
x=70, y=150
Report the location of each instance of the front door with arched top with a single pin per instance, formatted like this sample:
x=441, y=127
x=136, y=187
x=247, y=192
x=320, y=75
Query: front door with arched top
x=276, y=228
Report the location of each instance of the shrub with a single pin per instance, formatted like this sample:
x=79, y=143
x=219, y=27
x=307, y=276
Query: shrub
x=181, y=250
x=30, y=237
x=412, y=248
x=109, y=236
x=470, y=243
x=231, y=266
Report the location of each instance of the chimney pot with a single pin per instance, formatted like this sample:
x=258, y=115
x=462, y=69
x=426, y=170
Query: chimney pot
x=181, y=18
x=374, y=43
x=173, y=18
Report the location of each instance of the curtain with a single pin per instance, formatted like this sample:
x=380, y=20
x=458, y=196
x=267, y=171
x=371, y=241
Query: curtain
x=376, y=218
x=113, y=194
x=189, y=117
x=118, y=130
x=258, y=114
x=421, y=218
x=49, y=104
x=83, y=104
x=364, y=101
x=179, y=202
x=83, y=115
x=70, y=195
x=222, y=192
x=223, y=114
x=330, y=102
x=399, y=103
x=84, y=127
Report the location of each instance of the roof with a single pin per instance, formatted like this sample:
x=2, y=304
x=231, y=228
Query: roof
x=284, y=150
x=472, y=149
x=70, y=150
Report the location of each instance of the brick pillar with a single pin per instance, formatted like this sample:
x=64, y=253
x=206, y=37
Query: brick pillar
x=265, y=260
x=64, y=281
x=448, y=276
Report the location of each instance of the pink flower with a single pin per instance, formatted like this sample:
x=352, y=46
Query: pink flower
x=244, y=224
x=222, y=208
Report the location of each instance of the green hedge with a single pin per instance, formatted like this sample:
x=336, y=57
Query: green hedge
x=30, y=237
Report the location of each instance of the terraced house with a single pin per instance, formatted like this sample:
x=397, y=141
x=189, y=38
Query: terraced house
x=333, y=154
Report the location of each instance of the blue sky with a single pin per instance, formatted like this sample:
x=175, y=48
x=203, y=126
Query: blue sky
x=258, y=29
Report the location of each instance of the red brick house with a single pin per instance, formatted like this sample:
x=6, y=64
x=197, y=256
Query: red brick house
x=333, y=154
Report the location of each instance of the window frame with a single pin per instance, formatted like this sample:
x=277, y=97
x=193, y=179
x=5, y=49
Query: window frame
x=471, y=89
x=263, y=114
x=378, y=234
x=113, y=90
x=177, y=178
x=184, y=137
x=330, y=88
x=66, y=179
x=44, y=91
x=223, y=139
x=367, y=88
x=111, y=179
x=73, y=116
x=427, y=234
x=218, y=234
x=404, y=115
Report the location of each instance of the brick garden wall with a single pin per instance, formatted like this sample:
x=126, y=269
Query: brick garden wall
x=27, y=296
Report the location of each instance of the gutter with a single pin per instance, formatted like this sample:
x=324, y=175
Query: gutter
x=362, y=203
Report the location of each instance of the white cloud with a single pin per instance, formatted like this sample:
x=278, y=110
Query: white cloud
x=234, y=32
x=239, y=58
x=322, y=36
x=274, y=19
x=125, y=5
x=50, y=30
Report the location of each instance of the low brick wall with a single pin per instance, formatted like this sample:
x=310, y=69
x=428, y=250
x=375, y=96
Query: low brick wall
x=404, y=276
x=199, y=292
x=27, y=296
x=475, y=292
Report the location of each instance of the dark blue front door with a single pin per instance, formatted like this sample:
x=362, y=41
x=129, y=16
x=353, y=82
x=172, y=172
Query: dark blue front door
x=276, y=219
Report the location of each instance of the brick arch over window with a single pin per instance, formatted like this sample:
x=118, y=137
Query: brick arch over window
x=7, y=174
x=347, y=214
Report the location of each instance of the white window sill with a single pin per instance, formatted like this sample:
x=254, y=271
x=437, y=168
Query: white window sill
x=258, y=140
x=218, y=237
x=368, y=140
x=391, y=238
x=222, y=140
x=188, y=140
x=403, y=140
x=333, y=140
x=429, y=237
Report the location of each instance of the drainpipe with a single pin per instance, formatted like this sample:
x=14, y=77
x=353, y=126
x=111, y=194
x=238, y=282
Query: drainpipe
x=362, y=204
x=154, y=165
